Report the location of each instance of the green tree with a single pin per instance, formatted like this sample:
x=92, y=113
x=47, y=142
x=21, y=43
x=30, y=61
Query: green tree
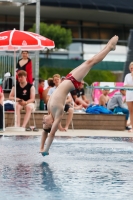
x=61, y=36
x=93, y=76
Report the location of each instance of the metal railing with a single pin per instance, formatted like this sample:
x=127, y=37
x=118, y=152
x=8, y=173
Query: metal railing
x=7, y=65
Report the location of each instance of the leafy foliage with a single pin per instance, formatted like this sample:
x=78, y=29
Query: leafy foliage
x=100, y=76
x=92, y=76
x=61, y=36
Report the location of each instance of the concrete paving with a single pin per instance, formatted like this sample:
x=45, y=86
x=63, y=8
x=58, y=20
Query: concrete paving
x=73, y=133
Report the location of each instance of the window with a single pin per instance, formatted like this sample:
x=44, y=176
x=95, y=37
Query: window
x=90, y=33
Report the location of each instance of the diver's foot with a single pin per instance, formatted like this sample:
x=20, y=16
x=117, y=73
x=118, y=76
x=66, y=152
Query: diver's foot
x=112, y=43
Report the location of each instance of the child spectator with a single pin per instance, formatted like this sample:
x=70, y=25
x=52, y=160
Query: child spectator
x=79, y=96
x=45, y=92
x=104, y=98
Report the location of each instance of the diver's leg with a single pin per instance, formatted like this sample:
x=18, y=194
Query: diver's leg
x=81, y=71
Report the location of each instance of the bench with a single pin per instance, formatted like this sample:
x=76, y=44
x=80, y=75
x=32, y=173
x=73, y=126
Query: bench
x=80, y=120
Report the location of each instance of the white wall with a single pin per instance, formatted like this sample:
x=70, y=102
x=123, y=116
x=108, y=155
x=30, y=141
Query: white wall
x=118, y=55
x=89, y=50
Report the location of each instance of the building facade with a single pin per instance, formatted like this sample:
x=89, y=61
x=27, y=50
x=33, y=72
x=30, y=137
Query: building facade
x=92, y=23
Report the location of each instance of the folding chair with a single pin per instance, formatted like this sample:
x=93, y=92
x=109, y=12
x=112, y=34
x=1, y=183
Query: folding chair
x=33, y=117
x=72, y=124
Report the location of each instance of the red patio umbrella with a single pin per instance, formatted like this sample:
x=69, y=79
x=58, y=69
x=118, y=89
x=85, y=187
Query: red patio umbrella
x=14, y=40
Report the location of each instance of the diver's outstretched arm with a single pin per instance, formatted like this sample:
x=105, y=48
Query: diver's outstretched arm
x=51, y=136
x=43, y=140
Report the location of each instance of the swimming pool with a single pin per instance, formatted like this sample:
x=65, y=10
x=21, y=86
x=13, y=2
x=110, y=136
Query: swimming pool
x=94, y=168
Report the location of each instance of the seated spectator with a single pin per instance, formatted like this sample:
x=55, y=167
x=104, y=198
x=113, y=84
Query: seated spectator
x=56, y=81
x=25, y=98
x=79, y=96
x=68, y=108
x=40, y=92
x=75, y=106
x=1, y=109
x=45, y=92
x=116, y=104
x=104, y=98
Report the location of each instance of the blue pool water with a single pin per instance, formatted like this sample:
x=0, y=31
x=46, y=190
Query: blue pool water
x=91, y=168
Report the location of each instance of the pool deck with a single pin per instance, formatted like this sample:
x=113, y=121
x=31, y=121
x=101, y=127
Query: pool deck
x=73, y=133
